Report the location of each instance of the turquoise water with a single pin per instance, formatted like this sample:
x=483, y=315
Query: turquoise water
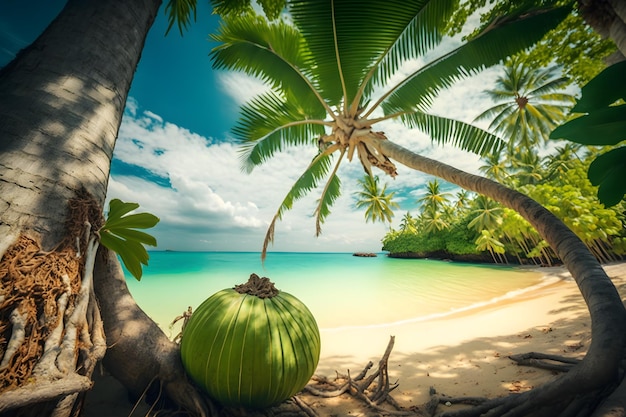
x=340, y=289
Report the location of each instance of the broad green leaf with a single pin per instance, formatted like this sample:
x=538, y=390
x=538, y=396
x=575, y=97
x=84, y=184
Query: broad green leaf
x=603, y=90
x=136, y=235
x=119, y=235
x=133, y=221
x=608, y=172
x=131, y=255
x=606, y=126
x=117, y=209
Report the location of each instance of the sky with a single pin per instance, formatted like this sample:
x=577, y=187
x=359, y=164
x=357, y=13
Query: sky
x=175, y=155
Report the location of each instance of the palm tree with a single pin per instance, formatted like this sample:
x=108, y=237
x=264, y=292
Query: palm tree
x=434, y=200
x=528, y=106
x=486, y=214
x=61, y=104
x=329, y=84
x=408, y=223
x=378, y=202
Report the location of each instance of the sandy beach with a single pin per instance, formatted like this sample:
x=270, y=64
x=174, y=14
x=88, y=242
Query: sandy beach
x=463, y=354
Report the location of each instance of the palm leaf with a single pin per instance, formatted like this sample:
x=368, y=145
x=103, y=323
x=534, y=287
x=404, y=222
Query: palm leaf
x=267, y=124
x=180, y=12
x=347, y=37
x=317, y=169
x=496, y=43
x=454, y=132
x=273, y=53
x=331, y=192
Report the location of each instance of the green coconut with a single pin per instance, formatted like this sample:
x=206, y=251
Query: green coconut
x=252, y=345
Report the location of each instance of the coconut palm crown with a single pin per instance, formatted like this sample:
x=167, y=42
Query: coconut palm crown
x=336, y=70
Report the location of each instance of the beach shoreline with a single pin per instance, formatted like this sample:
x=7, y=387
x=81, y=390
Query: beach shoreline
x=461, y=354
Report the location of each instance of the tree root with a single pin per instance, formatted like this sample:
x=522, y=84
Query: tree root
x=558, y=398
x=545, y=361
x=49, y=308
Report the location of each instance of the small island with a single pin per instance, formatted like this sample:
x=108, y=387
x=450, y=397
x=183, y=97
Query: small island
x=365, y=254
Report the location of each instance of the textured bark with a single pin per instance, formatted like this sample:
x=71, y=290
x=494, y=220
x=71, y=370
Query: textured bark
x=608, y=18
x=155, y=364
x=600, y=366
x=61, y=105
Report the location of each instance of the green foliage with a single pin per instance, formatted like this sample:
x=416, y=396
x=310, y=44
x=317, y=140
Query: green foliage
x=485, y=226
x=271, y=8
x=181, y=13
x=119, y=234
x=572, y=45
x=324, y=68
x=603, y=124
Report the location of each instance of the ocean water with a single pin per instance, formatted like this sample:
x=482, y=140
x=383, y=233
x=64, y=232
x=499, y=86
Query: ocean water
x=341, y=290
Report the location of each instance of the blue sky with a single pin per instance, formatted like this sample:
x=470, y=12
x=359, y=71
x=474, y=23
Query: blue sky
x=175, y=156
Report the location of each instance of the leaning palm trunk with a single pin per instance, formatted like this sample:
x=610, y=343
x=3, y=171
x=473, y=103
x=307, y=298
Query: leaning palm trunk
x=61, y=104
x=600, y=366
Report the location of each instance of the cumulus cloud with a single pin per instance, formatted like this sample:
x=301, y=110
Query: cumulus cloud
x=207, y=202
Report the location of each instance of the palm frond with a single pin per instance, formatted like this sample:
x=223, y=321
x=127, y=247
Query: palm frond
x=493, y=111
x=454, y=132
x=331, y=192
x=274, y=53
x=492, y=46
x=422, y=33
x=347, y=37
x=268, y=123
x=181, y=13
x=549, y=87
x=317, y=169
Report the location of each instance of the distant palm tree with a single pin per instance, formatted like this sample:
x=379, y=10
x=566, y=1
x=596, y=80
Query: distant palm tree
x=529, y=105
x=434, y=200
x=378, y=203
x=486, y=214
x=408, y=223
x=495, y=167
x=462, y=200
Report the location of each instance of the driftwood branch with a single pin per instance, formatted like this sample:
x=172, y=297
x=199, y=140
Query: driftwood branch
x=374, y=390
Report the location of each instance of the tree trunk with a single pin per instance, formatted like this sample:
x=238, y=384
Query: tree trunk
x=61, y=105
x=608, y=18
x=600, y=366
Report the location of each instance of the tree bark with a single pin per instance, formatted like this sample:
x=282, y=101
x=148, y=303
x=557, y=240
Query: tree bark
x=140, y=355
x=601, y=364
x=608, y=18
x=61, y=105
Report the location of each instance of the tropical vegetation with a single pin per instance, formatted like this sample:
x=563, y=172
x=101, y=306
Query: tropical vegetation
x=486, y=231
x=59, y=125
x=530, y=104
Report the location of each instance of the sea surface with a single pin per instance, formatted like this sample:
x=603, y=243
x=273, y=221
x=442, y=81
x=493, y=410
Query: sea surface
x=341, y=290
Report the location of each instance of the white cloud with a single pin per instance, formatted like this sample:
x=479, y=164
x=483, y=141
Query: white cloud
x=212, y=205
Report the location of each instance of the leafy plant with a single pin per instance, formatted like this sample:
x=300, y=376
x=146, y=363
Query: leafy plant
x=604, y=124
x=120, y=234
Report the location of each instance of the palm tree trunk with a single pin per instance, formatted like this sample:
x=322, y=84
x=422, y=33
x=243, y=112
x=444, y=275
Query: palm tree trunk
x=608, y=315
x=608, y=18
x=61, y=105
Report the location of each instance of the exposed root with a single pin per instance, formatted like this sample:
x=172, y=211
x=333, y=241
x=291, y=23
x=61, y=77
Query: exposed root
x=49, y=310
x=554, y=363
